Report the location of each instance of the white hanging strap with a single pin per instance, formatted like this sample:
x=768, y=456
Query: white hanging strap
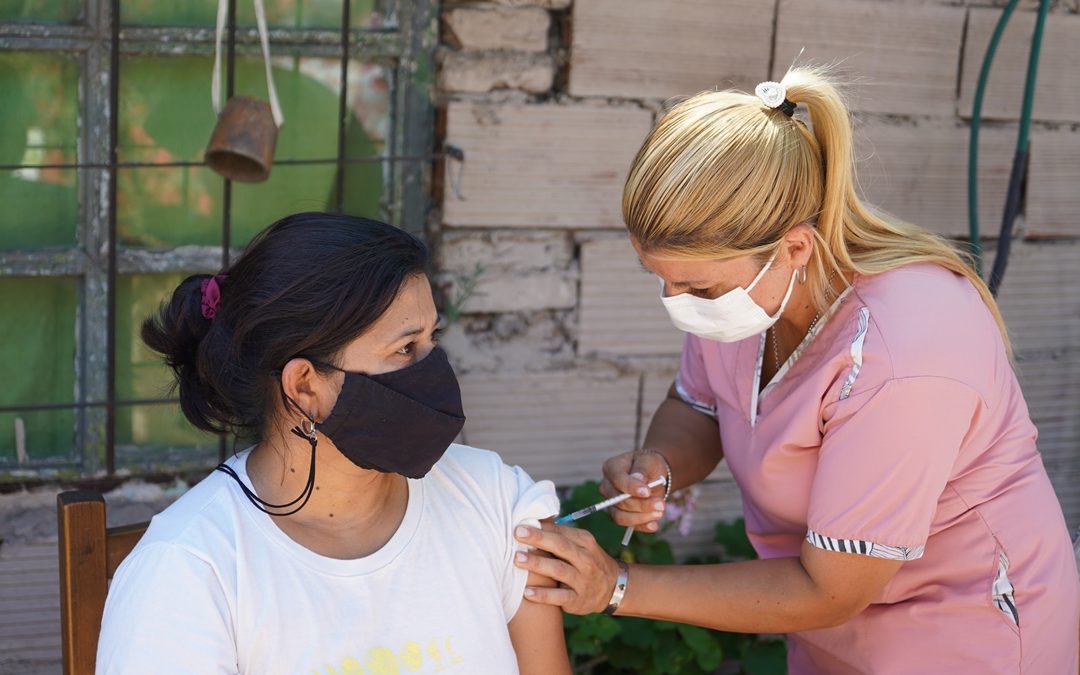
x=215, y=82
x=275, y=107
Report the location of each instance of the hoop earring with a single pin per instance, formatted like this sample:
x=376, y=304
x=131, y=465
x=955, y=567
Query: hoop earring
x=802, y=274
x=308, y=430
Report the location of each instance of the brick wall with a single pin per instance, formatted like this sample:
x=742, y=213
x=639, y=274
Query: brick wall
x=563, y=348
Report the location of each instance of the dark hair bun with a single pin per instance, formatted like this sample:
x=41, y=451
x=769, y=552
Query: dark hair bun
x=176, y=331
x=305, y=286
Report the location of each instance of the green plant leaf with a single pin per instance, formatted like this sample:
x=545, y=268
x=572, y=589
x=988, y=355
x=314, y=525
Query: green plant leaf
x=765, y=657
x=589, y=634
x=732, y=537
x=704, y=644
x=639, y=633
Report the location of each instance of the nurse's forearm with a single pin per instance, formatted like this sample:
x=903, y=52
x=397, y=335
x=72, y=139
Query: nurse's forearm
x=756, y=596
x=688, y=439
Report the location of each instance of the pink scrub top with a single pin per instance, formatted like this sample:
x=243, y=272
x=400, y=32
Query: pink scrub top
x=898, y=430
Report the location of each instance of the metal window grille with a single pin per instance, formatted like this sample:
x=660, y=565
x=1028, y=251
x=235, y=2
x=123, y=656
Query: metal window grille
x=98, y=40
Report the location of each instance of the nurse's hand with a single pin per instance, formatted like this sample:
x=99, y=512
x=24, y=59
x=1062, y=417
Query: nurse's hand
x=630, y=473
x=586, y=575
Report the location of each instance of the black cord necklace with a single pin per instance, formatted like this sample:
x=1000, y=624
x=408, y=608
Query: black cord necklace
x=311, y=436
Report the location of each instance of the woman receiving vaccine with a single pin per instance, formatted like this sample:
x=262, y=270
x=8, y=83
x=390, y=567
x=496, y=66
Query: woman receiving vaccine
x=353, y=536
x=854, y=373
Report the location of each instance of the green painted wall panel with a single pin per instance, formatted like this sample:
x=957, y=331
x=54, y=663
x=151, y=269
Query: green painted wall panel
x=40, y=11
x=37, y=342
x=38, y=103
x=316, y=14
x=166, y=116
x=141, y=374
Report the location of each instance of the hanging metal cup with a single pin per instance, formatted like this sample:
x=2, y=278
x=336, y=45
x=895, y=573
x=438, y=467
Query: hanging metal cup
x=243, y=142
x=242, y=145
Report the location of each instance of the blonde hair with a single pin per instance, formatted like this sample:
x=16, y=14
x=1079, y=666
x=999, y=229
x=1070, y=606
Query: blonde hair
x=722, y=175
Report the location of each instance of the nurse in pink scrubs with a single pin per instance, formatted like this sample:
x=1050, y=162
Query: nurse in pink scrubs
x=855, y=374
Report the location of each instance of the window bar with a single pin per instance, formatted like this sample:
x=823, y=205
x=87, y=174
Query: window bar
x=110, y=240
x=80, y=405
x=343, y=103
x=230, y=87
x=421, y=157
x=322, y=42
x=226, y=202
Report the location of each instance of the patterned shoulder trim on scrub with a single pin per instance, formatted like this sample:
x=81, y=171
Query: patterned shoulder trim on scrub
x=697, y=405
x=864, y=547
x=856, y=352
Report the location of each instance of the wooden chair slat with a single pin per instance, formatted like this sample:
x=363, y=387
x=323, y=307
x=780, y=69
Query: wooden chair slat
x=120, y=542
x=89, y=555
x=83, y=585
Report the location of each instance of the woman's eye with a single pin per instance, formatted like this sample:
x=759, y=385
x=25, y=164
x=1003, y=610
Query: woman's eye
x=408, y=349
x=700, y=292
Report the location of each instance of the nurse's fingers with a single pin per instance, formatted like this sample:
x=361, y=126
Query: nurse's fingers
x=555, y=539
x=584, y=568
x=630, y=473
x=642, y=522
x=632, y=505
x=560, y=597
x=637, y=512
x=624, y=476
x=552, y=568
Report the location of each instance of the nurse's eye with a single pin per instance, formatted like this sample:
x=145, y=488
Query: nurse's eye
x=407, y=349
x=700, y=292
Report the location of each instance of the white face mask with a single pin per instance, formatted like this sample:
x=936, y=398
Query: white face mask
x=731, y=317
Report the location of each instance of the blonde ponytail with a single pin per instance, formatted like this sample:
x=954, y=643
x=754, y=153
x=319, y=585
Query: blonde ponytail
x=722, y=176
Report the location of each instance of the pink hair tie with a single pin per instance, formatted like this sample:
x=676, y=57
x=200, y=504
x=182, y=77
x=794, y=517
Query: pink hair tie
x=211, y=295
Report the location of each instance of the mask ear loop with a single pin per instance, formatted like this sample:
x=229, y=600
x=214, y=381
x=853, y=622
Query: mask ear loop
x=310, y=435
x=762, y=272
x=791, y=284
x=787, y=296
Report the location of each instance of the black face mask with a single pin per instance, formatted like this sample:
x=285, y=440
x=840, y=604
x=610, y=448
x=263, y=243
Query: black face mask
x=399, y=422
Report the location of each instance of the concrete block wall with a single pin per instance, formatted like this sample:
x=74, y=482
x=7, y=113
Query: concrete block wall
x=563, y=348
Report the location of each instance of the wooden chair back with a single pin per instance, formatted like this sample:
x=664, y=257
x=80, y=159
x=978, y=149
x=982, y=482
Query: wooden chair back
x=89, y=555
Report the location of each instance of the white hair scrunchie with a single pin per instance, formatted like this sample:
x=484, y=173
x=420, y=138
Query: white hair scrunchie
x=774, y=95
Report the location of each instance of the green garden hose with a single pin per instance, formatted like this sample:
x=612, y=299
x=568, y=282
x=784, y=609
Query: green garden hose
x=1020, y=159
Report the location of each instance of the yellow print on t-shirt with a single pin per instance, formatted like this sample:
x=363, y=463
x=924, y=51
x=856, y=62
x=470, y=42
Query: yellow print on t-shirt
x=412, y=657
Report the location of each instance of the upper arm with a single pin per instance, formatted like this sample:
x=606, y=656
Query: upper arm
x=166, y=611
x=536, y=630
x=846, y=583
x=885, y=459
x=537, y=634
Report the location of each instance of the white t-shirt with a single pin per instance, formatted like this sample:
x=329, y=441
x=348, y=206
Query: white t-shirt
x=214, y=586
